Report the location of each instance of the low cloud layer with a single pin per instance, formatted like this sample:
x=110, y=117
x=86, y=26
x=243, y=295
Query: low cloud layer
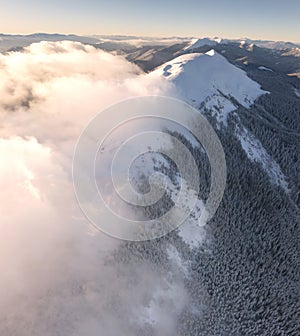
x=58, y=275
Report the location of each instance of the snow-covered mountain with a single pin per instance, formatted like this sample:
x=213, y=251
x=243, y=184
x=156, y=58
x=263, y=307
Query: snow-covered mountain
x=197, y=43
x=271, y=44
x=214, y=86
x=246, y=90
x=209, y=81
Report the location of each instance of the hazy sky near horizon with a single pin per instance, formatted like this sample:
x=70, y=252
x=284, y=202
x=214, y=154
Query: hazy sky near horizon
x=263, y=19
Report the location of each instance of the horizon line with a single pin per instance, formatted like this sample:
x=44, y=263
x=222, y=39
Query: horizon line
x=149, y=36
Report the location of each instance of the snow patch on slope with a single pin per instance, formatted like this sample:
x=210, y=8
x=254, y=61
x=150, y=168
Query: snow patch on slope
x=297, y=92
x=257, y=153
x=175, y=257
x=192, y=233
x=264, y=68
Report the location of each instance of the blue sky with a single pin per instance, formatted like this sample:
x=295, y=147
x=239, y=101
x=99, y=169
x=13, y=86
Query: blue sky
x=265, y=19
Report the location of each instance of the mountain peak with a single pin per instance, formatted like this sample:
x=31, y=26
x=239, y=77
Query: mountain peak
x=208, y=81
x=197, y=43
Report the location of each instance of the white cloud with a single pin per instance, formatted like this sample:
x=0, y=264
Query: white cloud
x=56, y=271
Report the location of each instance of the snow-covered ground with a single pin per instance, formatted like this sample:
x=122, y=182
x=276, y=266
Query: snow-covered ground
x=176, y=259
x=257, y=153
x=208, y=81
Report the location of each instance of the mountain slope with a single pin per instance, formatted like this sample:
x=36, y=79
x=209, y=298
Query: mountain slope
x=251, y=275
x=215, y=86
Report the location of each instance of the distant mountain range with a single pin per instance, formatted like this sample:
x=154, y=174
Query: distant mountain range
x=8, y=41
